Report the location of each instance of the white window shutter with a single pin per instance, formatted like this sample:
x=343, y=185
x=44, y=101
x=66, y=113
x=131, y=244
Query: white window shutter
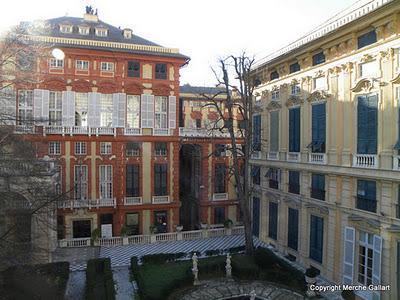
x=172, y=111
x=45, y=106
x=8, y=107
x=121, y=109
x=143, y=111
x=68, y=108
x=150, y=109
x=348, y=255
x=376, y=264
x=37, y=105
x=115, y=101
x=97, y=109
x=147, y=111
x=92, y=111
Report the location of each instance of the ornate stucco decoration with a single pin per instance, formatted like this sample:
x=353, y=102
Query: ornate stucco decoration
x=318, y=74
x=350, y=44
x=391, y=28
x=364, y=223
x=292, y=201
x=333, y=51
x=318, y=209
x=272, y=105
x=264, y=94
x=334, y=71
x=396, y=80
x=283, y=85
x=387, y=55
x=318, y=96
x=342, y=48
x=366, y=85
x=275, y=88
x=348, y=67
x=306, y=79
x=294, y=100
x=367, y=58
x=282, y=70
x=273, y=196
x=294, y=81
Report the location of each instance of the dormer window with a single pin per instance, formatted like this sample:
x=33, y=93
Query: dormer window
x=127, y=33
x=84, y=30
x=66, y=28
x=101, y=32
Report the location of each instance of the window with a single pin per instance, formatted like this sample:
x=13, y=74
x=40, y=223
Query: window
x=274, y=177
x=220, y=150
x=198, y=123
x=255, y=172
x=294, y=182
x=367, y=124
x=274, y=131
x=160, y=111
x=82, y=65
x=66, y=28
x=319, y=83
x=161, y=71
x=25, y=61
x=132, y=149
x=80, y=148
x=369, y=69
x=83, y=30
x=55, y=108
x=367, y=39
x=273, y=220
x=54, y=148
x=318, y=58
x=274, y=75
x=219, y=215
x=295, y=89
x=294, y=129
x=275, y=95
x=316, y=238
x=318, y=186
x=106, y=182
x=293, y=228
x=397, y=145
x=366, y=195
x=56, y=63
x=257, y=133
x=219, y=178
x=105, y=148
x=318, y=128
x=294, y=68
x=101, y=32
x=132, y=223
x=160, y=149
x=132, y=181
x=365, y=258
x=160, y=180
x=133, y=111
x=25, y=106
x=107, y=66
x=127, y=33
x=80, y=182
x=160, y=221
x=81, y=109
x=133, y=69
x=106, y=110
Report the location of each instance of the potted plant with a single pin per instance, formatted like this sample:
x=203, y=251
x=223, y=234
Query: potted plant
x=311, y=274
x=124, y=231
x=95, y=236
x=153, y=229
x=228, y=223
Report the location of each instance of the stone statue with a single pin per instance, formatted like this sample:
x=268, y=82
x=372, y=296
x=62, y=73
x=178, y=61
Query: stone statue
x=195, y=269
x=228, y=266
x=253, y=295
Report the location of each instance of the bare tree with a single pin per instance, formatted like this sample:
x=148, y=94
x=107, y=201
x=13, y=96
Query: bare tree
x=237, y=107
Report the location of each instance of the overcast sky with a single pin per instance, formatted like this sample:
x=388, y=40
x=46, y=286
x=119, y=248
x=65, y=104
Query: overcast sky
x=204, y=30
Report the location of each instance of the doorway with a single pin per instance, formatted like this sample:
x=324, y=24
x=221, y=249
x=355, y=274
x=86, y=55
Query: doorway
x=81, y=229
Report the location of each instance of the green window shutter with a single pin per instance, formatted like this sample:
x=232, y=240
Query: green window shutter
x=362, y=118
x=294, y=129
x=372, y=124
x=274, y=131
x=318, y=131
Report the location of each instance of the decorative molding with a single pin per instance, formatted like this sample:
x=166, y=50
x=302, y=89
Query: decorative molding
x=81, y=85
x=318, y=96
x=364, y=223
x=387, y=55
x=274, y=105
x=335, y=70
x=294, y=81
x=367, y=58
x=318, y=209
x=292, y=201
x=396, y=80
x=391, y=28
x=348, y=67
x=264, y=94
x=294, y=100
x=319, y=73
x=365, y=85
x=273, y=196
x=275, y=88
x=306, y=79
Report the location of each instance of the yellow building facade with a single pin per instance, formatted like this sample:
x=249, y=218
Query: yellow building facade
x=328, y=190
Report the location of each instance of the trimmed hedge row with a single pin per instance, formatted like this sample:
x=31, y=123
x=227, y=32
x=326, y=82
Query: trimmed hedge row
x=161, y=258
x=99, y=280
x=45, y=281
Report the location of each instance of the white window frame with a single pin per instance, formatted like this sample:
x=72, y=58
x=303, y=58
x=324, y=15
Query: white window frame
x=66, y=28
x=82, y=65
x=107, y=66
x=371, y=69
x=102, y=32
x=80, y=148
x=365, y=240
x=55, y=108
x=81, y=108
x=25, y=106
x=319, y=83
x=80, y=182
x=161, y=112
x=275, y=95
x=105, y=148
x=55, y=63
x=106, y=110
x=133, y=111
x=83, y=30
x=295, y=89
x=105, y=182
x=54, y=148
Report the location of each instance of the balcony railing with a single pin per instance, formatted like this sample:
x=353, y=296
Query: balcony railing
x=396, y=162
x=132, y=200
x=24, y=129
x=78, y=130
x=273, y=155
x=204, y=132
x=293, y=156
x=366, y=204
x=160, y=199
x=365, y=160
x=161, y=131
x=132, y=131
x=220, y=196
x=87, y=203
x=317, y=158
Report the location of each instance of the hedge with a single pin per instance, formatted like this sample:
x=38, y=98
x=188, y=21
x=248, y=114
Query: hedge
x=244, y=267
x=161, y=258
x=211, y=266
x=99, y=280
x=45, y=281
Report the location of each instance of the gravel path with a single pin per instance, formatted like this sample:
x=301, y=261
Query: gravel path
x=123, y=286
x=76, y=286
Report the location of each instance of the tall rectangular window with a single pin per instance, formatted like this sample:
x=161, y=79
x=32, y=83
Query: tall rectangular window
x=318, y=128
x=132, y=149
x=367, y=124
x=25, y=107
x=273, y=175
x=220, y=178
x=366, y=195
x=294, y=182
x=81, y=109
x=219, y=215
x=294, y=129
x=318, y=58
x=274, y=131
x=106, y=183
x=293, y=228
x=161, y=71
x=366, y=39
x=257, y=133
x=133, y=111
x=106, y=110
x=80, y=182
x=318, y=186
x=255, y=172
x=397, y=145
x=365, y=258
x=316, y=238
x=55, y=108
x=105, y=148
x=133, y=69
x=160, y=149
x=160, y=180
x=273, y=220
x=132, y=180
x=80, y=148
x=160, y=112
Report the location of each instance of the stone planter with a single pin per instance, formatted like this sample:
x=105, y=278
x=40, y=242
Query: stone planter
x=310, y=281
x=179, y=228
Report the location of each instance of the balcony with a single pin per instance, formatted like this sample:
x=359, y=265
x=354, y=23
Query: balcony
x=204, y=132
x=79, y=130
x=366, y=204
x=365, y=161
x=161, y=131
x=87, y=203
x=293, y=156
x=160, y=199
x=220, y=196
x=132, y=131
x=273, y=155
x=396, y=162
x=132, y=200
x=317, y=158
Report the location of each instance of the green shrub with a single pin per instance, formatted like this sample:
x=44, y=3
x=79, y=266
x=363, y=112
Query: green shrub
x=99, y=280
x=236, y=249
x=213, y=252
x=161, y=258
x=244, y=267
x=134, y=267
x=211, y=266
x=198, y=253
x=46, y=281
x=265, y=258
x=348, y=295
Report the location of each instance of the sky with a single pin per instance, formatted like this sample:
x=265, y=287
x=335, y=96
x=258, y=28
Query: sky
x=204, y=30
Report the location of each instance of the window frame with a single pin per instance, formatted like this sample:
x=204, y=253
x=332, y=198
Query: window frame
x=80, y=148
x=159, y=73
x=82, y=65
x=134, y=73
x=106, y=182
x=109, y=66
x=105, y=148
x=54, y=148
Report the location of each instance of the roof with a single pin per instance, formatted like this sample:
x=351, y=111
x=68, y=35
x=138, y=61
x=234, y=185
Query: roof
x=188, y=89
